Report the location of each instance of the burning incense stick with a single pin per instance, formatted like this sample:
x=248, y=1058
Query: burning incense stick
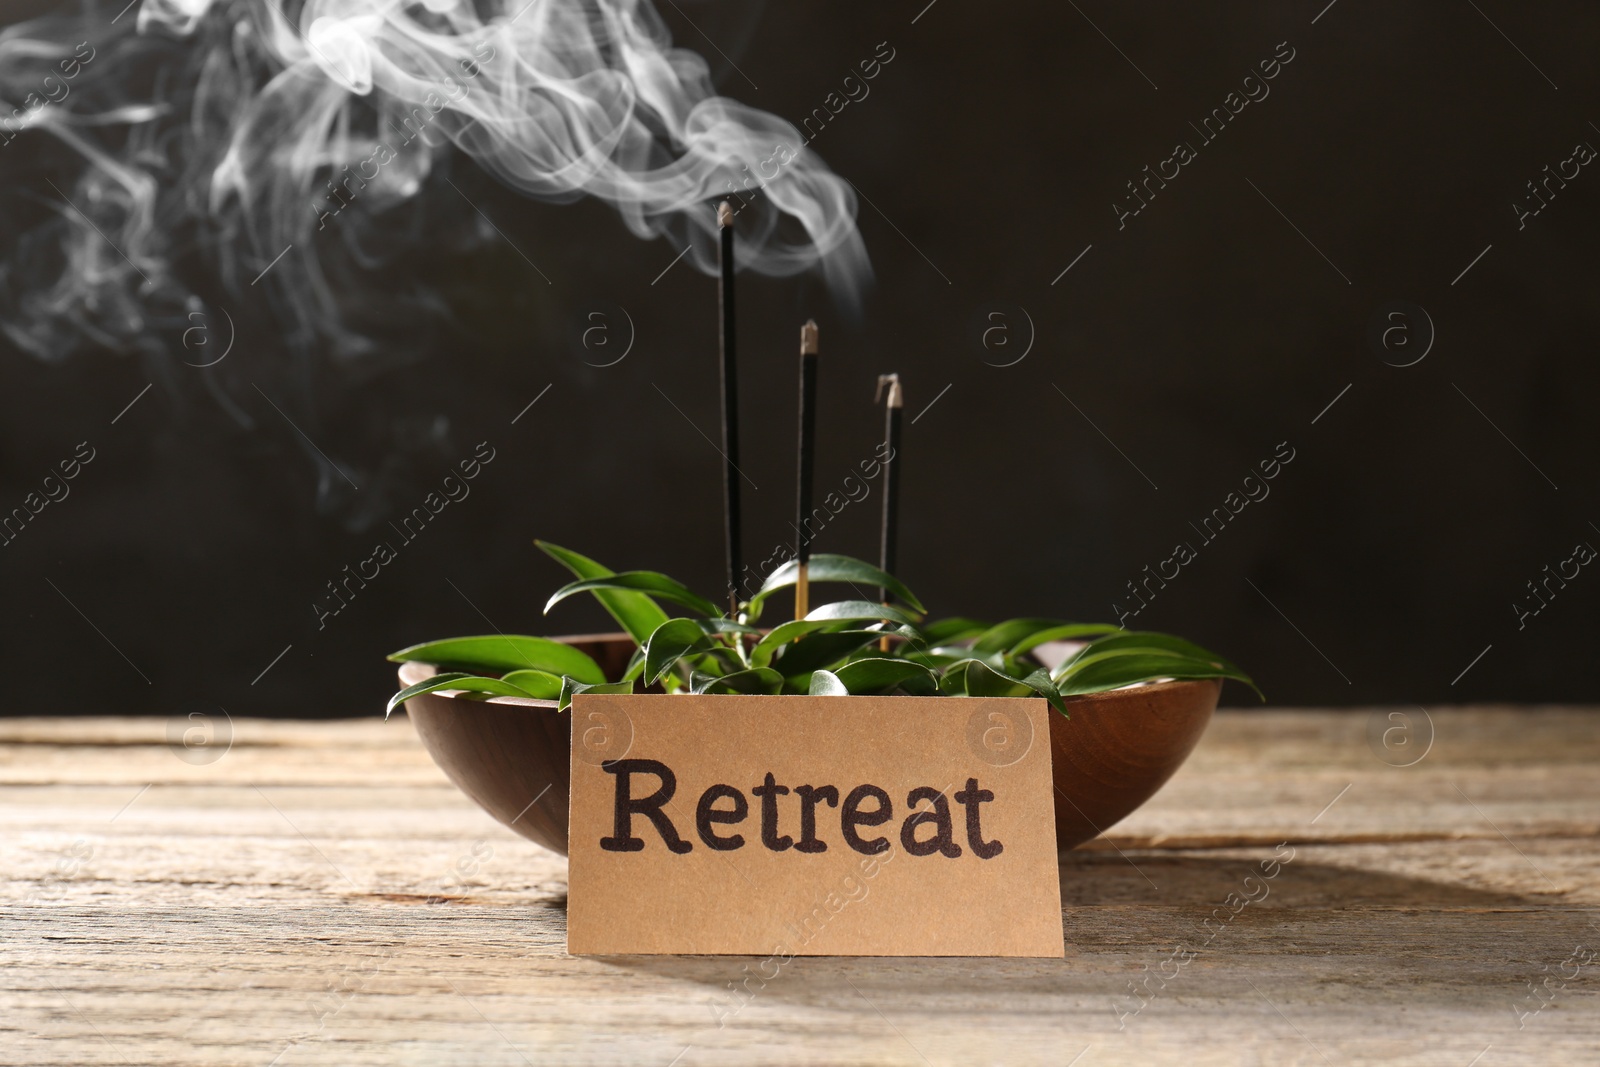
x=891, y=481
x=732, y=519
x=808, y=443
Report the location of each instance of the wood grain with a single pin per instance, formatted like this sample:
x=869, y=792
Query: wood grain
x=321, y=894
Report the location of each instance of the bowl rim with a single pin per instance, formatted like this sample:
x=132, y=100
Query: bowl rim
x=418, y=671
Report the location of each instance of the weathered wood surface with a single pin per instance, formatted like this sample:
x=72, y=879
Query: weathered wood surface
x=320, y=894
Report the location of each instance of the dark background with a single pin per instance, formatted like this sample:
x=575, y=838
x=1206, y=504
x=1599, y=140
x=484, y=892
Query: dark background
x=991, y=148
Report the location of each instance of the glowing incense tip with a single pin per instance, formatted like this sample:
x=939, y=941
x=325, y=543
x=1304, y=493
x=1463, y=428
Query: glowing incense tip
x=808, y=338
x=896, y=398
x=724, y=215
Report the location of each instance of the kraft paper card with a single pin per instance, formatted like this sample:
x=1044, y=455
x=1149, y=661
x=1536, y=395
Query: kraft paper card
x=790, y=825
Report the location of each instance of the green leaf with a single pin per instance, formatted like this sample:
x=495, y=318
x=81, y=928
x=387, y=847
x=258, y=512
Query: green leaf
x=1086, y=658
x=570, y=689
x=1001, y=636
x=953, y=680
x=950, y=631
x=827, y=684
x=1128, y=668
x=1039, y=681
x=721, y=625
x=669, y=643
x=995, y=661
x=471, y=683
x=653, y=583
x=983, y=680
x=937, y=660
x=827, y=649
x=499, y=653
x=539, y=684
x=856, y=611
x=634, y=612
x=1016, y=636
x=1066, y=632
x=879, y=675
x=1144, y=640
x=1141, y=656
x=828, y=567
x=829, y=617
x=754, y=680
x=781, y=636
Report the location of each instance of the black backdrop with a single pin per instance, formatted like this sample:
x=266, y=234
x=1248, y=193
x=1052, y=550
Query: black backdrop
x=1176, y=353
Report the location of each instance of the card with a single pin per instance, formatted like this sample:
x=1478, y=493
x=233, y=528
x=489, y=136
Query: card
x=798, y=825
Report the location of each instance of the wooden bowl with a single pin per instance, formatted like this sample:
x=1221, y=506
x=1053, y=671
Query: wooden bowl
x=1118, y=748
x=510, y=755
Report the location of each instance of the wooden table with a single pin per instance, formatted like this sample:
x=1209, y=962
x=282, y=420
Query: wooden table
x=321, y=894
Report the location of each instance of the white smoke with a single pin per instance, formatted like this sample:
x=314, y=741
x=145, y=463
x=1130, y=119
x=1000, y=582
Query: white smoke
x=208, y=136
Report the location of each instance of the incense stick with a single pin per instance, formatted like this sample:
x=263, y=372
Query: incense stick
x=808, y=435
x=889, y=540
x=732, y=518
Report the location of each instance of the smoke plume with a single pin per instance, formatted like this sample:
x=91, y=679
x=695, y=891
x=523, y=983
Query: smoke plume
x=175, y=149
